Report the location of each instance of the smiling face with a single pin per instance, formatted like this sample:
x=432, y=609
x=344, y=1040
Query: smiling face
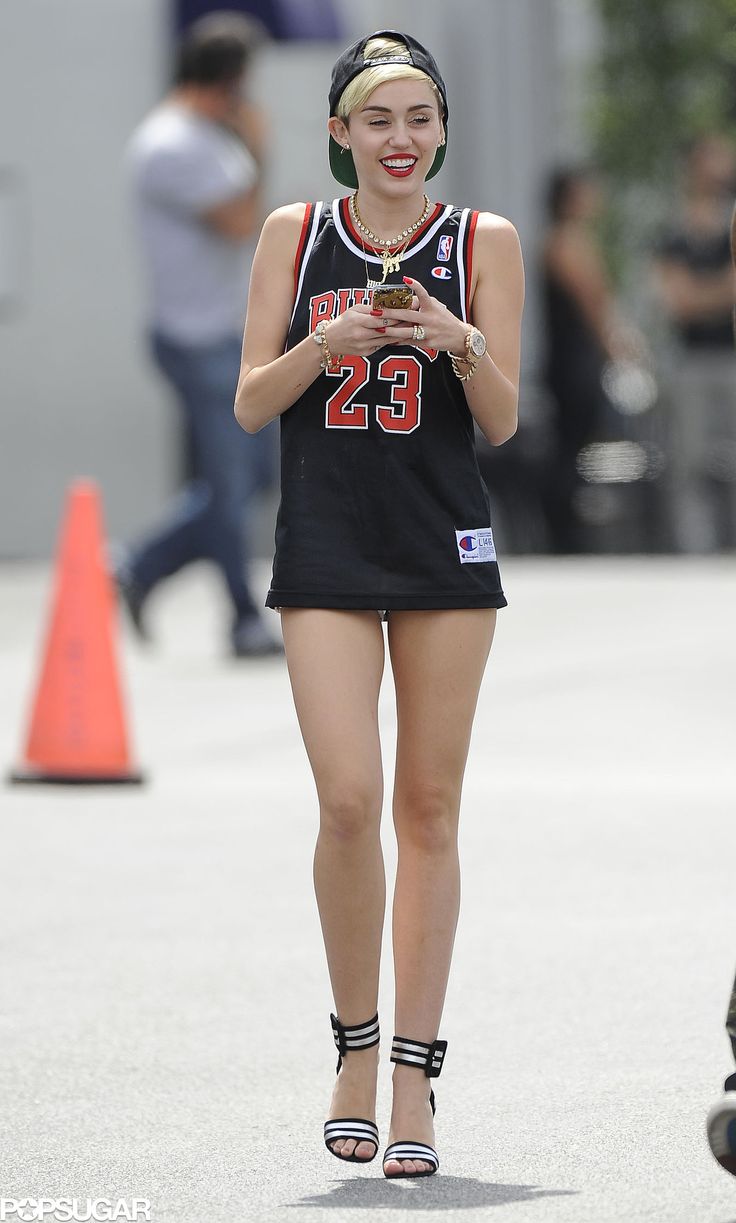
x=393, y=136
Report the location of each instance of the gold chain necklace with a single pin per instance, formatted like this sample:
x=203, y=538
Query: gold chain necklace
x=390, y=262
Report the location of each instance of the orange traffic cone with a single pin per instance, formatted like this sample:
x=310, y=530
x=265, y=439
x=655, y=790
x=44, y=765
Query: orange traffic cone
x=77, y=732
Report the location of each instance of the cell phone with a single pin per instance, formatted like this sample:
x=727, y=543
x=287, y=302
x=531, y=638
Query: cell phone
x=393, y=297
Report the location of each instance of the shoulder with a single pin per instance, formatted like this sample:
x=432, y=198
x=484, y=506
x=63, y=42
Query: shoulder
x=168, y=142
x=492, y=223
x=496, y=245
x=286, y=223
x=496, y=237
x=281, y=236
x=570, y=251
x=165, y=128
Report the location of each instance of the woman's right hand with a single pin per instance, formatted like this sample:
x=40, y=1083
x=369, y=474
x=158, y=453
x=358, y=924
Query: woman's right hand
x=361, y=331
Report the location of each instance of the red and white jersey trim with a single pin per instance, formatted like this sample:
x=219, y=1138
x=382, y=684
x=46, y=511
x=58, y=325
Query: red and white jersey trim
x=316, y=214
x=460, y=256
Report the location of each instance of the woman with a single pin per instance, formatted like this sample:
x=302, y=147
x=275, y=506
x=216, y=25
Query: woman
x=383, y=511
x=582, y=334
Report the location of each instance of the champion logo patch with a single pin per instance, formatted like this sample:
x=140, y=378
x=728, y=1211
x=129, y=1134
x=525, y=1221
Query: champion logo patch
x=444, y=248
x=476, y=546
x=441, y=273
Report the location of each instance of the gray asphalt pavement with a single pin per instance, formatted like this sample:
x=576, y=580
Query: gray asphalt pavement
x=164, y=1029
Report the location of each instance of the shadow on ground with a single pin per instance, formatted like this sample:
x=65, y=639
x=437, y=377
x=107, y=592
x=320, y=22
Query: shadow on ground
x=429, y=1193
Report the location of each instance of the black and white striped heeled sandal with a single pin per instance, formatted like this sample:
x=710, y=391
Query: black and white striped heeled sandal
x=348, y=1038
x=428, y=1058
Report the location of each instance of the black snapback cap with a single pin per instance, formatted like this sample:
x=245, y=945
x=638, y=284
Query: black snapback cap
x=350, y=64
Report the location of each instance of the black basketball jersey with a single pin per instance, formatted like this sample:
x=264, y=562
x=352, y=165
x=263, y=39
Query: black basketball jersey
x=382, y=502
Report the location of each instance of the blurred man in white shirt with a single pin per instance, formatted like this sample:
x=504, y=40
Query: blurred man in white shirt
x=195, y=167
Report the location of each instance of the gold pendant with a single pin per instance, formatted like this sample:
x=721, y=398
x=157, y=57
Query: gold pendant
x=391, y=263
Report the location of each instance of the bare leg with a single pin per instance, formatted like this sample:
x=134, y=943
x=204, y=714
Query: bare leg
x=335, y=661
x=438, y=659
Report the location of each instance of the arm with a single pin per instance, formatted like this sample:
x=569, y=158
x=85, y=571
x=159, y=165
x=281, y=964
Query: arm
x=497, y=299
x=496, y=307
x=575, y=263
x=688, y=297
x=271, y=380
x=238, y=218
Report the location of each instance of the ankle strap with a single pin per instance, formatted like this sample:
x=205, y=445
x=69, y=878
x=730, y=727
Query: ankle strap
x=354, y=1036
x=416, y=1053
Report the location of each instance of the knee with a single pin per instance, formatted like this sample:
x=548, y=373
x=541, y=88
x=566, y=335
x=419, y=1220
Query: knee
x=425, y=816
x=350, y=813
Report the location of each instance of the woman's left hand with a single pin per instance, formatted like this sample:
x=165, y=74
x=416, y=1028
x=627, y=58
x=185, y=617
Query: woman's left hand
x=442, y=329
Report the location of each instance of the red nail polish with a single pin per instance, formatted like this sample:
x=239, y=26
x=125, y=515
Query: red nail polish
x=378, y=313
x=380, y=329
x=408, y=280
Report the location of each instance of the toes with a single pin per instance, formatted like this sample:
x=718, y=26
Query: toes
x=349, y=1146
x=393, y=1167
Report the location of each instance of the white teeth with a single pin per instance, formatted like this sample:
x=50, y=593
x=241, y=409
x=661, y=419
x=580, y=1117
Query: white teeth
x=398, y=163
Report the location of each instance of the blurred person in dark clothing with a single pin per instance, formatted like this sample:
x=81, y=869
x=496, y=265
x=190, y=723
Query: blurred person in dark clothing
x=195, y=164
x=581, y=335
x=695, y=283
x=284, y=19
x=721, y=1121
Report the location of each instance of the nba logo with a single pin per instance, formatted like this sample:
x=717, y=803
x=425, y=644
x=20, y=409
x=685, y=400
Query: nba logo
x=444, y=247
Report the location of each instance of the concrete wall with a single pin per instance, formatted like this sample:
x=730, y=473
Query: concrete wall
x=77, y=395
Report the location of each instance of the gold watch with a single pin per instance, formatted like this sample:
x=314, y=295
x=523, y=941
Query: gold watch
x=475, y=350
x=475, y=346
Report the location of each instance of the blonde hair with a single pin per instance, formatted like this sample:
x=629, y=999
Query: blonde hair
x=361, y=87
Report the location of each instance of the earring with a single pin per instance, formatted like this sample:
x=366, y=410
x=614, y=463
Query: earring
x=442, y=141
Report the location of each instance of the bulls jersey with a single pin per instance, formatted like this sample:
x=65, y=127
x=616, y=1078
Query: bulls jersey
x=382, y=502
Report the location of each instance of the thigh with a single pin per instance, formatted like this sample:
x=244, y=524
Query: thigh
x=438, y=659
x=335, y=661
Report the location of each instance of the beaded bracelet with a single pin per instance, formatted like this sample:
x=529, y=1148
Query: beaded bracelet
x=328, y=362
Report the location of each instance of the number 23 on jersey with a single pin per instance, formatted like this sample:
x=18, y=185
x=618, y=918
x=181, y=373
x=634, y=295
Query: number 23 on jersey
x=403, y=378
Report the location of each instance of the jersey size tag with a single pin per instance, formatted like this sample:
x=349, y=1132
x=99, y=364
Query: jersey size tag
x=475, y=547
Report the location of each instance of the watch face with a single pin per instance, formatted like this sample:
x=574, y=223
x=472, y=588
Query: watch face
x=477, y=344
